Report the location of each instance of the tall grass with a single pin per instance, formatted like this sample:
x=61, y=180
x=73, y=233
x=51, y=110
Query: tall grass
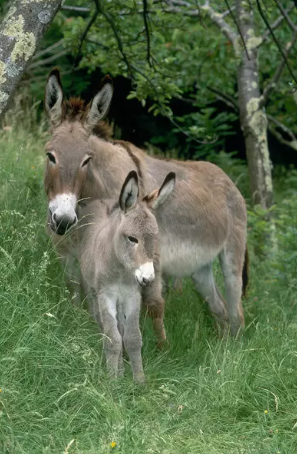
x=203, y=395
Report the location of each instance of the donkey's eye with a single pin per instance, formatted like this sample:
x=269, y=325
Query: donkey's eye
x=86, y=161
x=132, y=239
x=51, y=157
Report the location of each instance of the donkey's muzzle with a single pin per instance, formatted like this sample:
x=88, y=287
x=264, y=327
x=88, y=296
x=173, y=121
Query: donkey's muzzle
x=145, y=274
x=61, y=225
x=62, y=212
x=145, y=281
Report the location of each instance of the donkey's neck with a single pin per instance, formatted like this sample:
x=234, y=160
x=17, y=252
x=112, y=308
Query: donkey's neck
x=110, y=166
x=152, y=170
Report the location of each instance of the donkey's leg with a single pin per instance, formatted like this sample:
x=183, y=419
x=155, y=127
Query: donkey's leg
x=121, y=327
x=153, y=302
x=132, y=336
x=205, y=284
x=232, y=259
x=112, y=339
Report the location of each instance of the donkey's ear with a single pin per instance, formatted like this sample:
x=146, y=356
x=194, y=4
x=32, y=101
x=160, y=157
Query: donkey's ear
x=100, y=103
x=53, y=99
x=158, y=197
x=129, y=192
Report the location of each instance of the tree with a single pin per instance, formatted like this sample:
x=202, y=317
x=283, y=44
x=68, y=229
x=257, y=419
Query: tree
x=252, y=115
x=20, y=33
x=143, y=40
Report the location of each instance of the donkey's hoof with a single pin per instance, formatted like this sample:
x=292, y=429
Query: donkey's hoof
x=139, y=379
x=237, y=330
x=162, y=344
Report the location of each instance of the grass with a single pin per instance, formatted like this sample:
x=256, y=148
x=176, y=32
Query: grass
x=203, y=395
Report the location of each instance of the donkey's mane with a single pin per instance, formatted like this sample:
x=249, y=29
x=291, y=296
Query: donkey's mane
x=76, y=109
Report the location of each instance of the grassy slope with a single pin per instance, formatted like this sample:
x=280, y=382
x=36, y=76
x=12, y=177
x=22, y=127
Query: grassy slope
x=202, y=396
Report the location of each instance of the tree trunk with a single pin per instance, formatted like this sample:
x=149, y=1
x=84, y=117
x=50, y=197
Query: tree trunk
x=252, y=117
x=20, y=33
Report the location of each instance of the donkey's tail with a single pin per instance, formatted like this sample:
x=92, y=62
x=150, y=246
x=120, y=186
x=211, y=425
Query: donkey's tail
x=245, y=273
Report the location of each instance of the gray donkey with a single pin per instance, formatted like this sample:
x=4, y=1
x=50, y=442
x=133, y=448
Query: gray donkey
x=119, y=247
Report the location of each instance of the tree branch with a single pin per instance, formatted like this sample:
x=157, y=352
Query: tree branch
x=84, y=35
x=77, y=9
x=47, y=50
x=231, y=102
x=290, y=143
x=41, y=77
x=97, y=44
x=229, y=11
x=222, y=25
x=227, y=99
x=286, y=16
x=276, y=23
x=175, y=9
x=216, y=18
x=281, y=126
x=146, y=25
x=109, y=19
x=37, y=63
x=275, y=40
x=238, y=29
x=272, y=84
x=175, y=2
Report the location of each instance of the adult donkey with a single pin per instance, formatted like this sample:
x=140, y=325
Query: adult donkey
x=203, y=219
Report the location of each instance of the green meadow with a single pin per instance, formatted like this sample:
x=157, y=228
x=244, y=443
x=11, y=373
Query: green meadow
x=203, y=395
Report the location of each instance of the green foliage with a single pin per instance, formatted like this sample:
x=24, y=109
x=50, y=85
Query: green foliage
x=184, y=56
x=203, y=395
x=285, y=267
x=207, y=130
x=273, y=233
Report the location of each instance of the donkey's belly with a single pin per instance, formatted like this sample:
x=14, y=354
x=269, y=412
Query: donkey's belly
x=185, y=258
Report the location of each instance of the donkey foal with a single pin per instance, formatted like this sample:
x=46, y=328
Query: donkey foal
x=118, y=251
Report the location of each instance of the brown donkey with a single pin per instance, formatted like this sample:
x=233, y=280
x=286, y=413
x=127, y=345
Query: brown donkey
x=203, y=219
x=117, y=252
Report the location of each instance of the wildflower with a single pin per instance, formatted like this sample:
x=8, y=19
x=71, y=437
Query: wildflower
x=113, y=444
x=265, y=411
x=0, y=390
x=32, y=167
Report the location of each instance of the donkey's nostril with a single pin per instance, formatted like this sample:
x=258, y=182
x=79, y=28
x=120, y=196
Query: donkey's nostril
x=146, y=280
x=62, y=224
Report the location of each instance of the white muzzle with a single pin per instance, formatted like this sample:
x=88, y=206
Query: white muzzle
x=145, y=274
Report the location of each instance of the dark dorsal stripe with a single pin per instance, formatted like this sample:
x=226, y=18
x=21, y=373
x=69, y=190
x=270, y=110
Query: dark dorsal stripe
x=134, y=158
